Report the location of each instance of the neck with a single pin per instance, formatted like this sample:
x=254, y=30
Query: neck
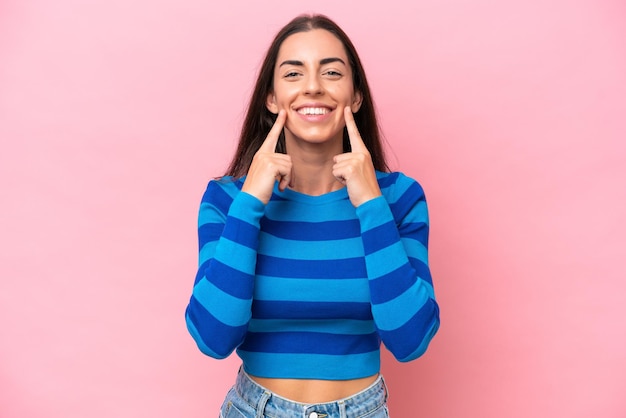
x=313, y=167
x=314, y=179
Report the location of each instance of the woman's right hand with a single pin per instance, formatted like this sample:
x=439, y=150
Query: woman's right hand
x=268, y=165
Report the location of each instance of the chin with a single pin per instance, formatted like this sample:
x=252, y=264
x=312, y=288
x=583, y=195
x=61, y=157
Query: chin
x=317, y=137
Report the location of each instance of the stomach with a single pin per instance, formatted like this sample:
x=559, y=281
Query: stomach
x=312, y=391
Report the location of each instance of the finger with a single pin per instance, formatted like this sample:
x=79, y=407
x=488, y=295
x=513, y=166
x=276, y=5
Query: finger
x=269, y=145
x=285, y=181
x=339, y=173
x=356, y=142
x=285, y=175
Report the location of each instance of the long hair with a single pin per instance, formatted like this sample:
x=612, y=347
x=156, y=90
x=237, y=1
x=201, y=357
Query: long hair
x=259, y=120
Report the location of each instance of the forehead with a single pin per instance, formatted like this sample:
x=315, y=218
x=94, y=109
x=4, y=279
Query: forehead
x=313, y=45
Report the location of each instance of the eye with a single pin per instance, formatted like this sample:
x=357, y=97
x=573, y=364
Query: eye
x=291, y=74
x=333, y=74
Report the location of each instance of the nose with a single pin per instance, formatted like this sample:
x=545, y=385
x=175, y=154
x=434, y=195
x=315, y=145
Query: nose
x=313, y=86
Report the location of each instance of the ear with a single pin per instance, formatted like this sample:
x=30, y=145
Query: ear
x=270, y=103
x=357, y=100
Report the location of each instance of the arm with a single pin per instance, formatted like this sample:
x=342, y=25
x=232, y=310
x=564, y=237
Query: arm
x=395, y=240
x=220, y=307
x=228, y=229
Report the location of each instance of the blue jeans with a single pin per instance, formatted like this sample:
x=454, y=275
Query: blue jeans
x=248, y=399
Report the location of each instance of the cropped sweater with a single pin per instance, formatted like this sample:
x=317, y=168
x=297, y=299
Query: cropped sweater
x=308, y=286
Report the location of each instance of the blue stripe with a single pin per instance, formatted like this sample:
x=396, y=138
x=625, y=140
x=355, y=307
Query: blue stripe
x=407, y=201
x=229, y=310
x=210, y=213
x=415, y=249
x=386, y=180
x=290, y=211
x=309, y=342
x=329, y=326
x=419, y=214
x=241, y=232
x=347, y=268
x=229, y=280
x=247, y=207
x=198, y=338
x=305, y=250
x=416, y=231
x=228, y=184
x=389, y=286
x=206, y=253
x=312, y=231
x=386, y=260
x=199, y=275
x=311, y=366
x=209, y=232
x=397, y=312
x=206, y=326
x=312, y=290
x=411, y=340
x=373, y=213
x=217, y=196
x=232, y=253
x=422, y=270
x=380, y=237
x=262, y=309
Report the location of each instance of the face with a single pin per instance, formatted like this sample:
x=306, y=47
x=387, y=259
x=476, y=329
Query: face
x=313, y=83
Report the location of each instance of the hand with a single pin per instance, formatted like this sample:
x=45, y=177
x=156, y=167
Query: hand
x=355, y=169
x=268, y=165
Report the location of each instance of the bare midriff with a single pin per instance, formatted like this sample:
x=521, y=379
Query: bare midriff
x=315, y=391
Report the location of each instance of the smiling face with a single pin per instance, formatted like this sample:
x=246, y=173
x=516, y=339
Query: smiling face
x=313, y=83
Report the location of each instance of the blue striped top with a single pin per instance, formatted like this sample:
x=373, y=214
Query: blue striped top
x=308, y=286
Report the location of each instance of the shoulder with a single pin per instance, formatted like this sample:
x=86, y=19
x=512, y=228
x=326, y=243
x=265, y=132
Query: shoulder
x=404, y=195
x=221, y=192
x=396, y=185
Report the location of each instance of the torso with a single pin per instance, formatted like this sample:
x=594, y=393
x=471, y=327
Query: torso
x=311, y=315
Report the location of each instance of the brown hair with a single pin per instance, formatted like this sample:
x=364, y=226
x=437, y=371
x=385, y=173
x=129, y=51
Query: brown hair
x=259, y=120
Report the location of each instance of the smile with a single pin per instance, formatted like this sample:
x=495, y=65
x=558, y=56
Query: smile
x=313, y=110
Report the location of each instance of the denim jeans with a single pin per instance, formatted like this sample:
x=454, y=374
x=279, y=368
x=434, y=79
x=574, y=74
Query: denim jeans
x=247, y=399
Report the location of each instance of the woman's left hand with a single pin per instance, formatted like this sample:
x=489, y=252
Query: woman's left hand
x=355, y=169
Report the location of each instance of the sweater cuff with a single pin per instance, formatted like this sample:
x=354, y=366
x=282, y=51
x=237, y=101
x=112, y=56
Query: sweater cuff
x=373, y=213
x=247, y=208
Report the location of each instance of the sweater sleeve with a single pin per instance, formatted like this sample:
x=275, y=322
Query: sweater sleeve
x=394, y=230
x=220, y=306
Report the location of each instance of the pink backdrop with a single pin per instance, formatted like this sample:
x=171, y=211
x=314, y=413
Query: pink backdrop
x=114, y=114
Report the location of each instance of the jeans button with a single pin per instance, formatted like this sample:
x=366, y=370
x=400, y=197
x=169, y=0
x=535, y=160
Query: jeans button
x=313, y=415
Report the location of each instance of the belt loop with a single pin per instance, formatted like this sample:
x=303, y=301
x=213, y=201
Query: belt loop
x=385, y=387
x=342, y=409
x=260, y=406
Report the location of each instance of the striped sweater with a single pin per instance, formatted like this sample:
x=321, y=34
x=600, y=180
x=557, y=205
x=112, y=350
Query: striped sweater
x=308, y=286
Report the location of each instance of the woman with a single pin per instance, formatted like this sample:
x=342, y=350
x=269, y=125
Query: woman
x=311, y=251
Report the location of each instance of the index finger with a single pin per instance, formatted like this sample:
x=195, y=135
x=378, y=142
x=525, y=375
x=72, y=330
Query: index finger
x=356, y=142
x=269, y=145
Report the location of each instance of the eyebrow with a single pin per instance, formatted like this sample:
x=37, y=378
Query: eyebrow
x=323, y=61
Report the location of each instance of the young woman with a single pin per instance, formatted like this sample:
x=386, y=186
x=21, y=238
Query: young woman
x=311, y=251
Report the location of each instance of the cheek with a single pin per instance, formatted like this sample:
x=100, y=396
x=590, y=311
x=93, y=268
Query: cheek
x=284, y=95
x=342, y=93
x=283, y=103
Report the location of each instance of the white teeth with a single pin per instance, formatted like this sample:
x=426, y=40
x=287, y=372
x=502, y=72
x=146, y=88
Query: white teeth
x=313, y=111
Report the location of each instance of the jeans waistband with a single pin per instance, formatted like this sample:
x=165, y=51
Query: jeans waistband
x=268, y=403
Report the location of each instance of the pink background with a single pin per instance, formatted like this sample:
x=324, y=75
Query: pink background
x=114, y=114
